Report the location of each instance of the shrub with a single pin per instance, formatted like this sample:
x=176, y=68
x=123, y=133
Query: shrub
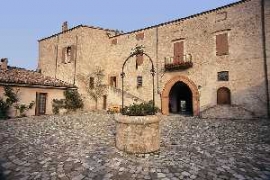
x=72, y=102
x=23, y=108
x=57, y=104
x=142, y=109
x=5, y=104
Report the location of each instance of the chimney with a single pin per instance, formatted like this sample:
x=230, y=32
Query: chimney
x=65, y=26
x=4, y=64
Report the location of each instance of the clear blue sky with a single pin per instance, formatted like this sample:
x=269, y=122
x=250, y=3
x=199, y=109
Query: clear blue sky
x=22, y=23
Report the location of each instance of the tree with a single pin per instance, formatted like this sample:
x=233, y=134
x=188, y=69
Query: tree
x=98, y=88
x=72, y=101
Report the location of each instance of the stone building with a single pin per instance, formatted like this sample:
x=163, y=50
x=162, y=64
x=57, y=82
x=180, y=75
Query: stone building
x=212, y=64
x=31, y=86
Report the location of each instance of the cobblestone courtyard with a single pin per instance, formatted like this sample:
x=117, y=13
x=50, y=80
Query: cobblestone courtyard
x=82, y=147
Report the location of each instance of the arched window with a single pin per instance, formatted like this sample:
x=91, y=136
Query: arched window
x=223, y=96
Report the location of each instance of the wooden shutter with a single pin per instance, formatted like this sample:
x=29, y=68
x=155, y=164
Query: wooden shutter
x=178, y=52
x=139, y=59
x=222, y=46
x=223, y=96
x=114, y=41
x=64, y=50
x=73, y=53
x=140, y=36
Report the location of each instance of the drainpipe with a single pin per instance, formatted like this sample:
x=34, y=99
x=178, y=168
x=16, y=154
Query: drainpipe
x=157, y=62
x=265, y=56
x=56, y=56
x=75, y=62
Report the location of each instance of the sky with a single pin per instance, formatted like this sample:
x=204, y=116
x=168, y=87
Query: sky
x=23, y=23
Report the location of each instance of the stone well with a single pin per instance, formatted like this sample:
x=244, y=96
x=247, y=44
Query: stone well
x=137, y=134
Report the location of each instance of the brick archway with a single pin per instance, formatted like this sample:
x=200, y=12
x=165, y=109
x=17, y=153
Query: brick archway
x=166, y=91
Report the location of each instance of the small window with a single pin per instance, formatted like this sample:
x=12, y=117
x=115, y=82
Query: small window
x=223, y=76
x=91, y=83
x=69, y=51
x=113, y=81
x=139, y=81
x=114, y=42
x=221, y=16
x=140, y=36
x=222, y=46
x=223, y=96
x=68, y=54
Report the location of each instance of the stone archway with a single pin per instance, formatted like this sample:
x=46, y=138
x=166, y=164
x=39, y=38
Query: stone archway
x=167, y=88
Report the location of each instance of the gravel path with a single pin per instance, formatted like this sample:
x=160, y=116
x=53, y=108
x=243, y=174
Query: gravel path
x=82, y=146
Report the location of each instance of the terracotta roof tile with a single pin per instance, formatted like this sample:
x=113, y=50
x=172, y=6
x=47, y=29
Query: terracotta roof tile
x=32, y=78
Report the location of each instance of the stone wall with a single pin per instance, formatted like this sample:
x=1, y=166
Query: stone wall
x=244, y=62
x=267, y=31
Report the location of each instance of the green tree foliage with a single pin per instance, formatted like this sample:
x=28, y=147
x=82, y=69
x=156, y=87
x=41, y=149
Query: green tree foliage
x=99, y=88
x=6, y=102
x=72, y=101
x=142, y=109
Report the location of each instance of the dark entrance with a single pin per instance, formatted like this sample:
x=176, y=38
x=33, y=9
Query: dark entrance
x=180, y=99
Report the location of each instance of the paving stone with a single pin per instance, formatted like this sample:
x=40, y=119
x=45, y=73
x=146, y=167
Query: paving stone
x=82, y=146
x=161, y=175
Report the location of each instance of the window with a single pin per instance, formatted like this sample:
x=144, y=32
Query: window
x=91, y=83
x=178, y=52
x=113, y=81
x=140, y=36
x=221, y=16
x=222, y=46
x=139, y=60
x=68, y=54
x=223, y=76
x=68, y=51
x=139, y=81
x=223, y=96
x=114, y=41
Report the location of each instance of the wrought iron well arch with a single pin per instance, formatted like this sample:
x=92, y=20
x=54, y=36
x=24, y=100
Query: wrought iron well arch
x=138, y=50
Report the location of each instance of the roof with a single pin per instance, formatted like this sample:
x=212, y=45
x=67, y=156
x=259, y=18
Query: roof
x=154, y=26
x=185, y=18
x=76, y=27
x=22, y=77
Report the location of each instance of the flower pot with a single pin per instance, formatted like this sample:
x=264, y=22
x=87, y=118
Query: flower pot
x=137, y=134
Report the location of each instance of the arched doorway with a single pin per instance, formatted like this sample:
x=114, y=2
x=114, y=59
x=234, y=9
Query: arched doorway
x=223, y=96
x=190, y=94
x=180, y=99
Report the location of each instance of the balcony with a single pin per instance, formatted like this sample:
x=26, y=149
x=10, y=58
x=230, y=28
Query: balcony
x=178, y=63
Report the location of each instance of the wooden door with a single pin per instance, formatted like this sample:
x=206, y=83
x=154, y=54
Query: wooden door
x=41, y=99
x=223, y=96
x=104, y=102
